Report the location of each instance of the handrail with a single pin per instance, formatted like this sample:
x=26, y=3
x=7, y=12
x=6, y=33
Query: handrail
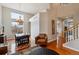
x=70, y=29
x=70, y=34
x=73, y=27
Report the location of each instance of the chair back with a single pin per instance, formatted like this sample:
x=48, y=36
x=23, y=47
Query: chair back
x=41, y=39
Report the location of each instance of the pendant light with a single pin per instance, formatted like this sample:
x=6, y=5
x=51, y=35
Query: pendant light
x=19, y=21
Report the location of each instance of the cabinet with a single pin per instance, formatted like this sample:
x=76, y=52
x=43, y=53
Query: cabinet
x=3, y=44
x=2, y=39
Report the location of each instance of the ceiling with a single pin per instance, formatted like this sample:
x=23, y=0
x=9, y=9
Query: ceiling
x=27, y=7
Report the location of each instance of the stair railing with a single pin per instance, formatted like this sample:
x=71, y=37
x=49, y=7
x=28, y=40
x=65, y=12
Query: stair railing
x=71, y=33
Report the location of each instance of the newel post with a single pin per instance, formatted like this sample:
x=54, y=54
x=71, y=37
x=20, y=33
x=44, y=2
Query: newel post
x=61, y=40
x=61, y=37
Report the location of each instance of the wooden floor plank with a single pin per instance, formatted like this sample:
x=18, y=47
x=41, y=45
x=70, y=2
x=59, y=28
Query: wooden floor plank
x=53, y=46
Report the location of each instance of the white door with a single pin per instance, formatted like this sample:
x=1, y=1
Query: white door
x=34, y=29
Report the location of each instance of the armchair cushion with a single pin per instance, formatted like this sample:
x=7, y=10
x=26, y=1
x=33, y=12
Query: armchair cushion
x=41, y=39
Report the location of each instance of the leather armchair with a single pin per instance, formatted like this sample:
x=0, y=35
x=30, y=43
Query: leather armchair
x=41, y=39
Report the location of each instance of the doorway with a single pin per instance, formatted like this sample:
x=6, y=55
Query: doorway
x=34, y=29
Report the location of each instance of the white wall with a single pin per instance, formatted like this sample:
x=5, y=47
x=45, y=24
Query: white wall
x=27, y=23
x=6, y=19
x=44, y=22
x=46, y=25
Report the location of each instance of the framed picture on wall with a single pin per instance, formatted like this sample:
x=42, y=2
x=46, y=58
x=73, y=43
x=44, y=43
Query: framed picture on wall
x=53, y=26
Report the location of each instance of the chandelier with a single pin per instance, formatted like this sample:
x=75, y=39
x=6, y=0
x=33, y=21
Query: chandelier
x=19, y=21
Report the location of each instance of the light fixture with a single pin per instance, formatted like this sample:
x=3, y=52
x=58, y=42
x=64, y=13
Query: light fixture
x=19, y=21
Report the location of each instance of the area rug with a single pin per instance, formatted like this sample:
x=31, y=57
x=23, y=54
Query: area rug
x=38, y=51
x=41, y=51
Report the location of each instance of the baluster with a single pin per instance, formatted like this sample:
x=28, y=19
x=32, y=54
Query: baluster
x=69, y=36
x=74, y=33
x=66, y=36
x=78, y=31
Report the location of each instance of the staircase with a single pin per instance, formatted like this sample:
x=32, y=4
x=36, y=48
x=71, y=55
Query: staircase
x=71, y=38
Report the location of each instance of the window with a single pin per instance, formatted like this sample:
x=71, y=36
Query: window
x=16, y=27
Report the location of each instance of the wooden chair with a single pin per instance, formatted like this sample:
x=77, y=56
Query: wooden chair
x=3, y=50
x=41, y=39
x=22, y=42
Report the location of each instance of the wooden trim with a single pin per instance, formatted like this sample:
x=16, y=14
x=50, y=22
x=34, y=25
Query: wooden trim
x=61, y=40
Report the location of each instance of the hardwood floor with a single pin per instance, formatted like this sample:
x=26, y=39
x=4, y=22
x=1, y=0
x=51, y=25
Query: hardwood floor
x=52, y=46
